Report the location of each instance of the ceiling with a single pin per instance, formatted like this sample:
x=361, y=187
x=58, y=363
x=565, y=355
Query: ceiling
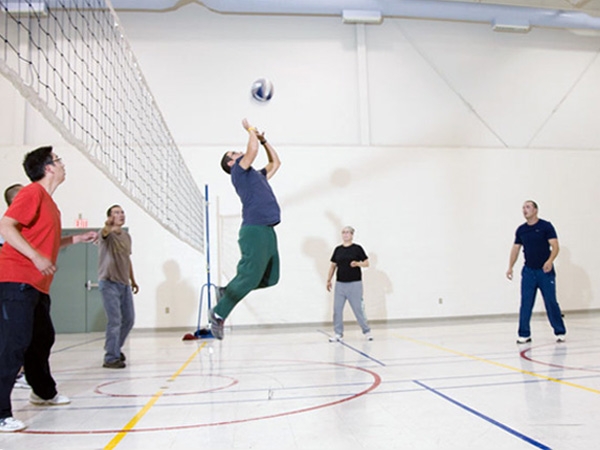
x=503, y=15
x=589, y=6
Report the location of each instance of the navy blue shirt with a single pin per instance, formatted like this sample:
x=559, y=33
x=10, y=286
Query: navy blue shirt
x=342, y=257
x=534, y=239
x=259, y=205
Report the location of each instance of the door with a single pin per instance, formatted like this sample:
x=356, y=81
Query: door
x=76, y=300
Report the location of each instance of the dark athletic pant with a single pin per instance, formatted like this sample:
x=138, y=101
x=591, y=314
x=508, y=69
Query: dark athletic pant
x=258, y=267
x=26, y=337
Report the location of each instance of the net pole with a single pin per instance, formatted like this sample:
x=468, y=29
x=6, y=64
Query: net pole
x=205, y=333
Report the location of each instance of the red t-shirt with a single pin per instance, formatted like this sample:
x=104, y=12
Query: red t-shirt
x=39, y=220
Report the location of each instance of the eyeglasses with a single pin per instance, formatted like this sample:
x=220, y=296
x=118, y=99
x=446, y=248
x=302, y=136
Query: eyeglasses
x=55, y=160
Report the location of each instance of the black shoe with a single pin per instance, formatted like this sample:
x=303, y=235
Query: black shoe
x=122, y=357
x=217, y=325
x=118, y=364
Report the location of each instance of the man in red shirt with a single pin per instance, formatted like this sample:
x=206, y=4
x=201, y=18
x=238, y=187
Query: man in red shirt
x=31, y=228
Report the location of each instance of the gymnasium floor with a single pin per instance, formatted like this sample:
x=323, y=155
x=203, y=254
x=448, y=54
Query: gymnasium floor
x=461, y=384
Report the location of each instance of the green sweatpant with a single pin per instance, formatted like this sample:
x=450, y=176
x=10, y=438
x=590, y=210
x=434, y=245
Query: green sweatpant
x=258, y=267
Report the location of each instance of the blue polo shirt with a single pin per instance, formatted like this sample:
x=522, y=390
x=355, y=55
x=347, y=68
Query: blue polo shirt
x=534, y=239
x=259, y=205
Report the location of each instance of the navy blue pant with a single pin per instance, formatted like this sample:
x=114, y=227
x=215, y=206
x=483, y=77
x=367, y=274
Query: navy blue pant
x=26, y=338
x=531, y=281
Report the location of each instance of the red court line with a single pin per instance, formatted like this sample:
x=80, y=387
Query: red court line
x=524, y=355
x=373, y=386
x=98, y=389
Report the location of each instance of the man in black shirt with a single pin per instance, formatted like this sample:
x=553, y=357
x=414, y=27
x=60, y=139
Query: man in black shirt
x=348, y=259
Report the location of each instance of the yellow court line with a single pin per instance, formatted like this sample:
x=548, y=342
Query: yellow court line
x=495, y=363
x=119, y=437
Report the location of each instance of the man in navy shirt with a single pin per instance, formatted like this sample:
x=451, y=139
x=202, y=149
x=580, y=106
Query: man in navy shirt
x=259, y=266
x=540, y=247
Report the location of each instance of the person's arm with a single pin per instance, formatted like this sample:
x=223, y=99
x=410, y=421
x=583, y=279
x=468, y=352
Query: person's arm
x=364, y=263
x=274, y=162
x=514, y=255
x=134, y=287
x=90, y=236
x=251, y=147
x=332, y=268
x=554, y=249
x=9, y=229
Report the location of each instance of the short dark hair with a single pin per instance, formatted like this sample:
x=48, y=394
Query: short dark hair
x=109, y=210
x=11, y=192
x=35, y=162
x=533, y=203
x=225, y=163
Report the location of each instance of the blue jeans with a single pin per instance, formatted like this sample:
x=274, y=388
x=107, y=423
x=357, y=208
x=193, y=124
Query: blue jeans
x=118, y=306
x=26, y=338
x=531, y=280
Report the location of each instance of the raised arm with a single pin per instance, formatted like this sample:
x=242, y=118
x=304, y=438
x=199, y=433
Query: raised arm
x=274, y=162
x=251, y=147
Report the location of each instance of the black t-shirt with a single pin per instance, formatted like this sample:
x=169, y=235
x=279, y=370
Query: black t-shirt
x=534, y=239
x=343, y=256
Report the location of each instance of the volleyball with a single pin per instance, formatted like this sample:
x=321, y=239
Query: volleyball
x=262, y=90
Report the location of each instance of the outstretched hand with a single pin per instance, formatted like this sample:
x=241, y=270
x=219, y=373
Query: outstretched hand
x=246, y=124
x=249, y=128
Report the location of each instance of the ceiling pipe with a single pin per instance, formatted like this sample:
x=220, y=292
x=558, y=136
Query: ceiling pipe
x=499, y=16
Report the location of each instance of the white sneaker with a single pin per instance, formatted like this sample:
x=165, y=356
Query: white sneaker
x=368, y=336
x=523, y=340
x=561, y=338
x=55, y=401
x=10, y=425
x=21, y=382
x=336, y=338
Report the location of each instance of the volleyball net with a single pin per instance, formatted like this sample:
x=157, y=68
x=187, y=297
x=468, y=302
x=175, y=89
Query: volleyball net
x=71, y=60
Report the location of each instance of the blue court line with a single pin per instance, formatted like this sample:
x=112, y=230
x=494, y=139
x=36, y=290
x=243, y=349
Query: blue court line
x=356, y=350
x=486, y=418
x=363, y=354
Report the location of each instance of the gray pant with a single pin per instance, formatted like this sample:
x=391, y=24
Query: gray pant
x=353, y=292
x=118, y=305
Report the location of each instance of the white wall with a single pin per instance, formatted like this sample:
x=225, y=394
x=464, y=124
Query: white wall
x=459, y=126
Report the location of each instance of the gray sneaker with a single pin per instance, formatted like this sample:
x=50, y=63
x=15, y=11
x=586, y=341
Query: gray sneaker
x=217, y=325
